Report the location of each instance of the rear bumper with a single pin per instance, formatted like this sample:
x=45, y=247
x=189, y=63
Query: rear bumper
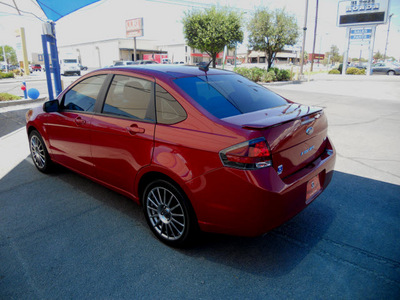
x=250, y=203
x=71, y=72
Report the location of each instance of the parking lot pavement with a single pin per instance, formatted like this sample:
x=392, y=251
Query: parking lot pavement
x=63, y=236
x=363, y=121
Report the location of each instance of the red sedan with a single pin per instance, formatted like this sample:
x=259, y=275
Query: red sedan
x=198, y=149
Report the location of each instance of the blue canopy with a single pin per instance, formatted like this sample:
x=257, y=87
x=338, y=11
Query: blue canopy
x=56, y=9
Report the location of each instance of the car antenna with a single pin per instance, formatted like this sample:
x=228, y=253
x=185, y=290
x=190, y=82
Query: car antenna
x=205, y=68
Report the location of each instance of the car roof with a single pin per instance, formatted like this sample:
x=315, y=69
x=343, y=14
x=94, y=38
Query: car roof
x=168, y=70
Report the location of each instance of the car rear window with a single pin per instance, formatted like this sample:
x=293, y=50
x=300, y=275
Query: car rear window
x=229, y=95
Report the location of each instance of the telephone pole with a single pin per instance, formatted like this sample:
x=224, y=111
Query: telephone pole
x=304, y=40
x=387, y=37
x=315, y=36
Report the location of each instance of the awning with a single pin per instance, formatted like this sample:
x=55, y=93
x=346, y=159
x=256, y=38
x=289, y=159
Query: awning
x=53, y=9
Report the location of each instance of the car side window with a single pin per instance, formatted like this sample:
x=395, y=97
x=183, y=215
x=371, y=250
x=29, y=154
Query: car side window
x=129, y=97
x=169, y=111
x=82, y=97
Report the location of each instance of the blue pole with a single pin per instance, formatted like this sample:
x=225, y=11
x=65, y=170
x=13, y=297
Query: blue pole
x=55, y=61
x=47, y=66
x=25, y=92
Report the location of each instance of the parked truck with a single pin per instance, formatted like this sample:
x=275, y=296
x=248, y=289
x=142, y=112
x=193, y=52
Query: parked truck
x=69, y=64
x=160, y=58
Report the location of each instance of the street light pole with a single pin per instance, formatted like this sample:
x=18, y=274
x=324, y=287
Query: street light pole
x=315, y=37
x=304, y=40
x=387, y=37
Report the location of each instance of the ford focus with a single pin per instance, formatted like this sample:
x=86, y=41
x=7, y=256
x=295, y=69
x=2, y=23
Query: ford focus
x=198, y=149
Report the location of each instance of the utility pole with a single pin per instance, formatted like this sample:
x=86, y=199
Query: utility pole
x=387, y=37
x=315, y=36
x=304, y=40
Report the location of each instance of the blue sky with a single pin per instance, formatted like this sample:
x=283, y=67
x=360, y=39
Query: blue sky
x=162, y=21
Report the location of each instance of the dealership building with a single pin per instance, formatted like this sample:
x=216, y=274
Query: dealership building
x=99, y=54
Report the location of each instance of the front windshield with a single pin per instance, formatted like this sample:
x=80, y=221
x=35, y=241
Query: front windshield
x=229, y=95
x=70, y=61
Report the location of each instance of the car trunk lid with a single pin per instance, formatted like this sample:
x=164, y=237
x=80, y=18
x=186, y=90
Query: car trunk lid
x=295, y=133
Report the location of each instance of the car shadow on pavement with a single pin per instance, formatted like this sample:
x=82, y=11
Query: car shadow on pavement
x=355, y=215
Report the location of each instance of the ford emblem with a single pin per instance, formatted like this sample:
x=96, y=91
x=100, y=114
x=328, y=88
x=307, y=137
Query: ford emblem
x=280, y=170
x=310, y=130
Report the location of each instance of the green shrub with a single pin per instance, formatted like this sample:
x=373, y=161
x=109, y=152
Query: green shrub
x=283, y=75
x=7, y=75
x=268, y=76
x=353, y=71
x=242, y=71
x=253, y=74
x=361, y=72
x=17, y=72
x=334, y=71
x=257, y=74
x=275, y=70
x=7, y=96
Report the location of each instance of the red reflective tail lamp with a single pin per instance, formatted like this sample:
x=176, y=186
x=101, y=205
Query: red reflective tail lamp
x=253, y=154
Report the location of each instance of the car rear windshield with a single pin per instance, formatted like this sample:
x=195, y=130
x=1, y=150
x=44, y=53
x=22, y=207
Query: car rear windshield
x=228, y=95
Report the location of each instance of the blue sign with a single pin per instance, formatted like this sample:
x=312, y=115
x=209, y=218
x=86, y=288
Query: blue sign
x=40, y=57
x=360, y=31
x=360, y=37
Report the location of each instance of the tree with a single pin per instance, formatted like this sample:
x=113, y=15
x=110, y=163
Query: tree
x=334, y=53
x=378, y=56
x=212, y=29
x=11, y=56
x=271, y=31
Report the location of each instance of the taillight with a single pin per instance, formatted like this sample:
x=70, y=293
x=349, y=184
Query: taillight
x=253, y=154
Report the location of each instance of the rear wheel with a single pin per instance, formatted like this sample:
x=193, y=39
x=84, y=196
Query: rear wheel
x=40, y=156
x=390, y=73
x=168, y=213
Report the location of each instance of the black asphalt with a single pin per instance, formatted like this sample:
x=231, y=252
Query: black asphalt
x=65, y=237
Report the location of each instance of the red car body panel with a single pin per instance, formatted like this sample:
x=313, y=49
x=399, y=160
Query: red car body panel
x=119, y=152
x=69, y=139
x=115, y=147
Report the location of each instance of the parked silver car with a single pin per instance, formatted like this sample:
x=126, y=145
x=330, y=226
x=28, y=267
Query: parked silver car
x=386, y=68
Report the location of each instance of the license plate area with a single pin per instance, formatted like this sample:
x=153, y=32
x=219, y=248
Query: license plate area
x=313, y=187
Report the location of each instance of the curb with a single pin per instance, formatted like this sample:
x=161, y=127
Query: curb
x=279, y=83
x=19, y=80
x=22, y=101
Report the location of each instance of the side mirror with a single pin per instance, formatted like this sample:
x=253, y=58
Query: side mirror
x=51, y=106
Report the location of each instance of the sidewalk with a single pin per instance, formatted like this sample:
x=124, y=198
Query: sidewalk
x=36, y=76
x=369, y=87
x=29, y=102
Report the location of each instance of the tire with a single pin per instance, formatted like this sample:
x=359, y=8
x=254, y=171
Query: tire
x=39, y=154
x=169, y=214
x=390, y=73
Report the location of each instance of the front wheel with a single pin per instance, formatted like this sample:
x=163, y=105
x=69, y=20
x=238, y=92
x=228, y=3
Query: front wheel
x=168, y=213
x=390, y=73
x=40, y=156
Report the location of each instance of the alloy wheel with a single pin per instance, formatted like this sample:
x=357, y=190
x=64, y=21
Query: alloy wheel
x=38, y=152
x=166, y=214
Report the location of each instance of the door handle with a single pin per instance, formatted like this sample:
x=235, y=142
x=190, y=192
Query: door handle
x=80, y=121
x=133, y=129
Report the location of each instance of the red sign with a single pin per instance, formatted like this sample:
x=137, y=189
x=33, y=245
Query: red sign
x=134, y=27
x=155, y=57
